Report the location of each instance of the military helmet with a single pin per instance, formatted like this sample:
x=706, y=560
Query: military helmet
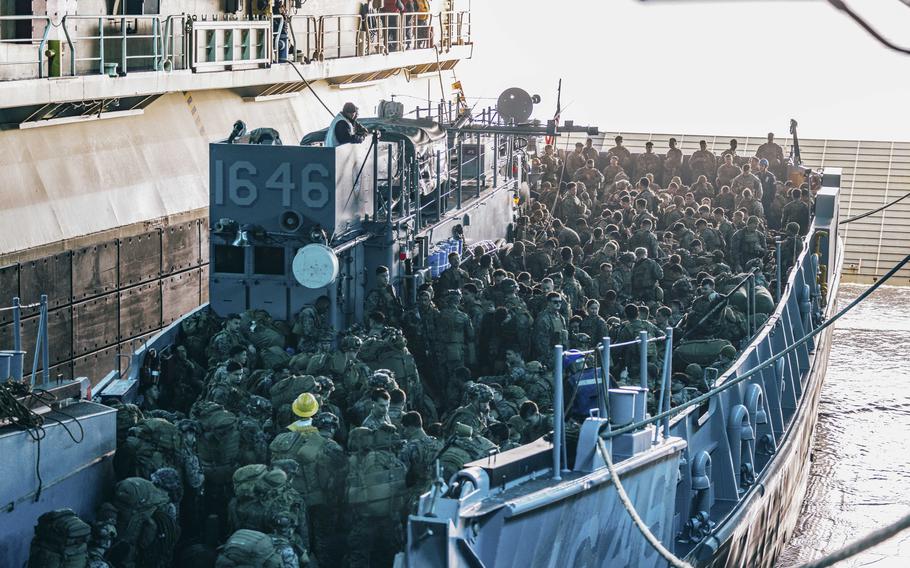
x=534, y=366
x=305, y=405
x=509, y=284
x=383, y=379
x=274, y=478
x=728, y=351
x=792, y=227
x=360, y=438
x=694, y=371
x=325, y=420
x=289, y=466
x=351, y=343
x=481, y=392
x=248, y=473
x=514, y=392
x=627, y=257
x=326, y=384
x=168, y=479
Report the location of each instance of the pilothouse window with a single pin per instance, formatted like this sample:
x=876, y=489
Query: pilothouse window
x=268, y=260
x=228, y=258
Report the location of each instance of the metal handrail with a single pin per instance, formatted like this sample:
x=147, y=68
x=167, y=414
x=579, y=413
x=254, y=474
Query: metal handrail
x=165, y=41
x=25, y=42
x=214, y=43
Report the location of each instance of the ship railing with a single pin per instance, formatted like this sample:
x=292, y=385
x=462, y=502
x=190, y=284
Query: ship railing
x=456, y=29
x=385, y=33
x=419, y=32
x=119, y=44
x=342, y=35
x=220, y=45
x=24, y=57
x=303, y=34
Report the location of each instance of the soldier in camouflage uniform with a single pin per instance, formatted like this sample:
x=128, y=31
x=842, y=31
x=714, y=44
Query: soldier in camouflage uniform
x=465, y=445
x=629, y=356
x=312, y=324
x=230, y=336
x=550, y=328
x=593, y=324
x=376, y=496
x=622, y=273
x=476, y=413
x=611, y=171
x=647, y=162
x=454, y=339
x=621, y=152
x=419, y=455
x=589, y=175
x=747, y=244
x=645, y=237
x=672, y=163
x=702, y=162
x=383, y=298
x=453, y=277
x=228, y=391
x=727, y=172
x=747, y=180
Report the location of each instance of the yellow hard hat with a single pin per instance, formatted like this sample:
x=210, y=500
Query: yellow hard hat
x=305, y=406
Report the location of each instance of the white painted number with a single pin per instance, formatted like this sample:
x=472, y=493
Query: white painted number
x=314, y=188
x=242, y=191
x=281, y=180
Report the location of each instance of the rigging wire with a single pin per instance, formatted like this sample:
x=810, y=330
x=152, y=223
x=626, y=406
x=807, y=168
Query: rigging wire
x=843, y=7
x=310, y=88
x=874, y=538
x=874, y=211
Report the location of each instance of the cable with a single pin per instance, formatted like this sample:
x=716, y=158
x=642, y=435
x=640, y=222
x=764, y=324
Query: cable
x=840, y=5
x=671, y=558
x=874, y=538
x=310, y=88
x=874, y=211
x=731, y=382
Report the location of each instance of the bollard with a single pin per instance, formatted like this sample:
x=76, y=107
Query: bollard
x=557, y=413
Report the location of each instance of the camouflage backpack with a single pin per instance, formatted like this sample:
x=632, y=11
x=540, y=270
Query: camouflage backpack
x=247, y=509
x=376, y=484
x=283, y=393
x=248, y=549
x=144, y=521
x=219, y=445
x=61, y=541
x=305, y=450
x=273, y=356
x=156, y=443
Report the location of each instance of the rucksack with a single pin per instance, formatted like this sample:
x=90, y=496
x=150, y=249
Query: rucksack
x=376, y=484
x=61, y=541
x=157, y=446
x=248, y=549
x=143, y=520
x=307, y=451
x=285, y=391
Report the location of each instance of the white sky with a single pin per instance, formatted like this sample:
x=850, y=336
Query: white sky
x=720, y=67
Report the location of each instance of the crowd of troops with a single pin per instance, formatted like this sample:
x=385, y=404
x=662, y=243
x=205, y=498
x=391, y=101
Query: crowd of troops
x=260, y=442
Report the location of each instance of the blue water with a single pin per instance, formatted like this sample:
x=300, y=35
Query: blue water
x=860, y=476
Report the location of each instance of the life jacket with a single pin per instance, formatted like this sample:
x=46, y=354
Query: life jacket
x=306, y=449
x=376, y=484
x=61, y=541
x=330, y=140
x=248, y=549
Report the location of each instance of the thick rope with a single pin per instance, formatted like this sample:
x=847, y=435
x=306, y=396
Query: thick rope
x=876, y=210
x=671, y=558
x=874, y=538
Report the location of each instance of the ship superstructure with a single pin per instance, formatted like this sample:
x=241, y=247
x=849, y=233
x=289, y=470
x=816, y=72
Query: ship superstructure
x=117, y=231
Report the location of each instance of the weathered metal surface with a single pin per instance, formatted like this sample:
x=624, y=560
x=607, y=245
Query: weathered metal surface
x=59, y=336
x=140, y=310
x=51, y=275
x=73, y=475
x=95, y=324
x=140, y=258
x=180, y=247
x=9, y=288
x=203, y=240
x=204, y=283
x=179, y=294
x=96, y=365
x=94, y=270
